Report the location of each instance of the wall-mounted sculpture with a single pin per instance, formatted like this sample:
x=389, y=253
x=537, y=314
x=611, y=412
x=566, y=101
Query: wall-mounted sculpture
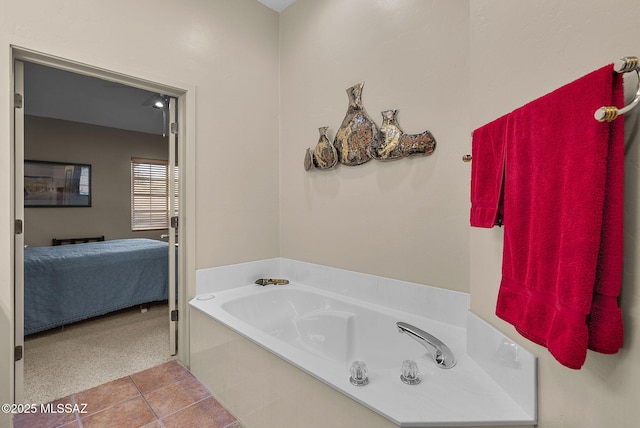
x=390, y=142
x=308, y=162
x=325, y=155
x=356, y=132
x=418, y=144
x=386, y=143
x=358, y=139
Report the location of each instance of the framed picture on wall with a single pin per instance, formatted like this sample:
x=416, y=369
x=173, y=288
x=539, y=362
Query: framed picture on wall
x=56, y=184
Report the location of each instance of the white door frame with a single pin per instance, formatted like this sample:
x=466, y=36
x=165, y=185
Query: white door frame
x=172, y=227
x=18, y=212
x=185, y=94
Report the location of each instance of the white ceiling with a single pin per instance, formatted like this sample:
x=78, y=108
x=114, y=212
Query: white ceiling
x=58, y=94
x=277, y=5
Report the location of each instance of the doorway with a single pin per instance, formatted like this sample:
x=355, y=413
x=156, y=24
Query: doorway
x=179, y=143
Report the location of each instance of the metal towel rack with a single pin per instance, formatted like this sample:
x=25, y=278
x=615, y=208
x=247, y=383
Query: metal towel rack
x=609, y=113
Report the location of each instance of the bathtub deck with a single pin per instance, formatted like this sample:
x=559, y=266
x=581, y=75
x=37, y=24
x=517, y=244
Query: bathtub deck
x=462, y=396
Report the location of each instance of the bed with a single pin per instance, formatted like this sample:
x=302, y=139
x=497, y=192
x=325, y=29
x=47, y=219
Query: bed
x=69, y=283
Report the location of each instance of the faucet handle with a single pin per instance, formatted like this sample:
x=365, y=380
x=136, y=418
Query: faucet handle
x=410, y=372
x=359, y=373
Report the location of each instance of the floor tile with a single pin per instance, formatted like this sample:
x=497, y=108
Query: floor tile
x=160, y=376
x=74, y=424
x=107, y=395
x=46, y=420
x=133, y=413
x=207, y=413
x=171, y=398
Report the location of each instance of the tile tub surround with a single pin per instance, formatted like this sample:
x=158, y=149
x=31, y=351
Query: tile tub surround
x=233, y=366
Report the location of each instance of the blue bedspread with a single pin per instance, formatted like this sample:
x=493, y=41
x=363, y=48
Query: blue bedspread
x=69, y=283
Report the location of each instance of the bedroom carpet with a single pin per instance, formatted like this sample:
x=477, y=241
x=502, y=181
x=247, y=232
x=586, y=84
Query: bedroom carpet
x=80, y=356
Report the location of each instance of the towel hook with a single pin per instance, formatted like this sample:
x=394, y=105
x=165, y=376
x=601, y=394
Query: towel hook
x=609, y=113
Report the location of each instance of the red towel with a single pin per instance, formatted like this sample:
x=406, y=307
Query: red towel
x=605, y=319
x=563, y=219
x=487, y=171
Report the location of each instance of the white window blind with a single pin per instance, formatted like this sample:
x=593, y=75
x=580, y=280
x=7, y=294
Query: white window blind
x=149, y=194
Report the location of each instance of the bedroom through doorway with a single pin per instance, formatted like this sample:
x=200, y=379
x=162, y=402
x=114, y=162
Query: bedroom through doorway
x=95, y=153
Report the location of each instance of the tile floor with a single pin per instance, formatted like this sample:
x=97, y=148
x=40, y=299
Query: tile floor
x=164, y=396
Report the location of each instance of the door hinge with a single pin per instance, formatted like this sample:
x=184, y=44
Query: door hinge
x=174, y=128
x=18, y=227
x=17, y=353
x=174, y=222
x=17, y=98
x=174, y=315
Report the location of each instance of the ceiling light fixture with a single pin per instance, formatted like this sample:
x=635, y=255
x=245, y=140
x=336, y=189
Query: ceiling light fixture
x=158, y=103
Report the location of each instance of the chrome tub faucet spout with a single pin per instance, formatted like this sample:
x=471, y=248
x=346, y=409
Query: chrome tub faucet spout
x=441, y=353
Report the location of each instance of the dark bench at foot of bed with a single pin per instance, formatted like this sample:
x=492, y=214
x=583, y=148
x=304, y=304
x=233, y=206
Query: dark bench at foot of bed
x=55, y=241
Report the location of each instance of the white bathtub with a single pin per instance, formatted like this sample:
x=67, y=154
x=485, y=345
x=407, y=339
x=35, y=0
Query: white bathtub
x=322, y=333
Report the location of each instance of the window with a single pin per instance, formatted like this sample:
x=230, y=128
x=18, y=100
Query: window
x=149, y=194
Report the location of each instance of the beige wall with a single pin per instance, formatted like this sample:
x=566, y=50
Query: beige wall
x=521, y=50
x=109, y=151
x=405, y=219
x=226, y=54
